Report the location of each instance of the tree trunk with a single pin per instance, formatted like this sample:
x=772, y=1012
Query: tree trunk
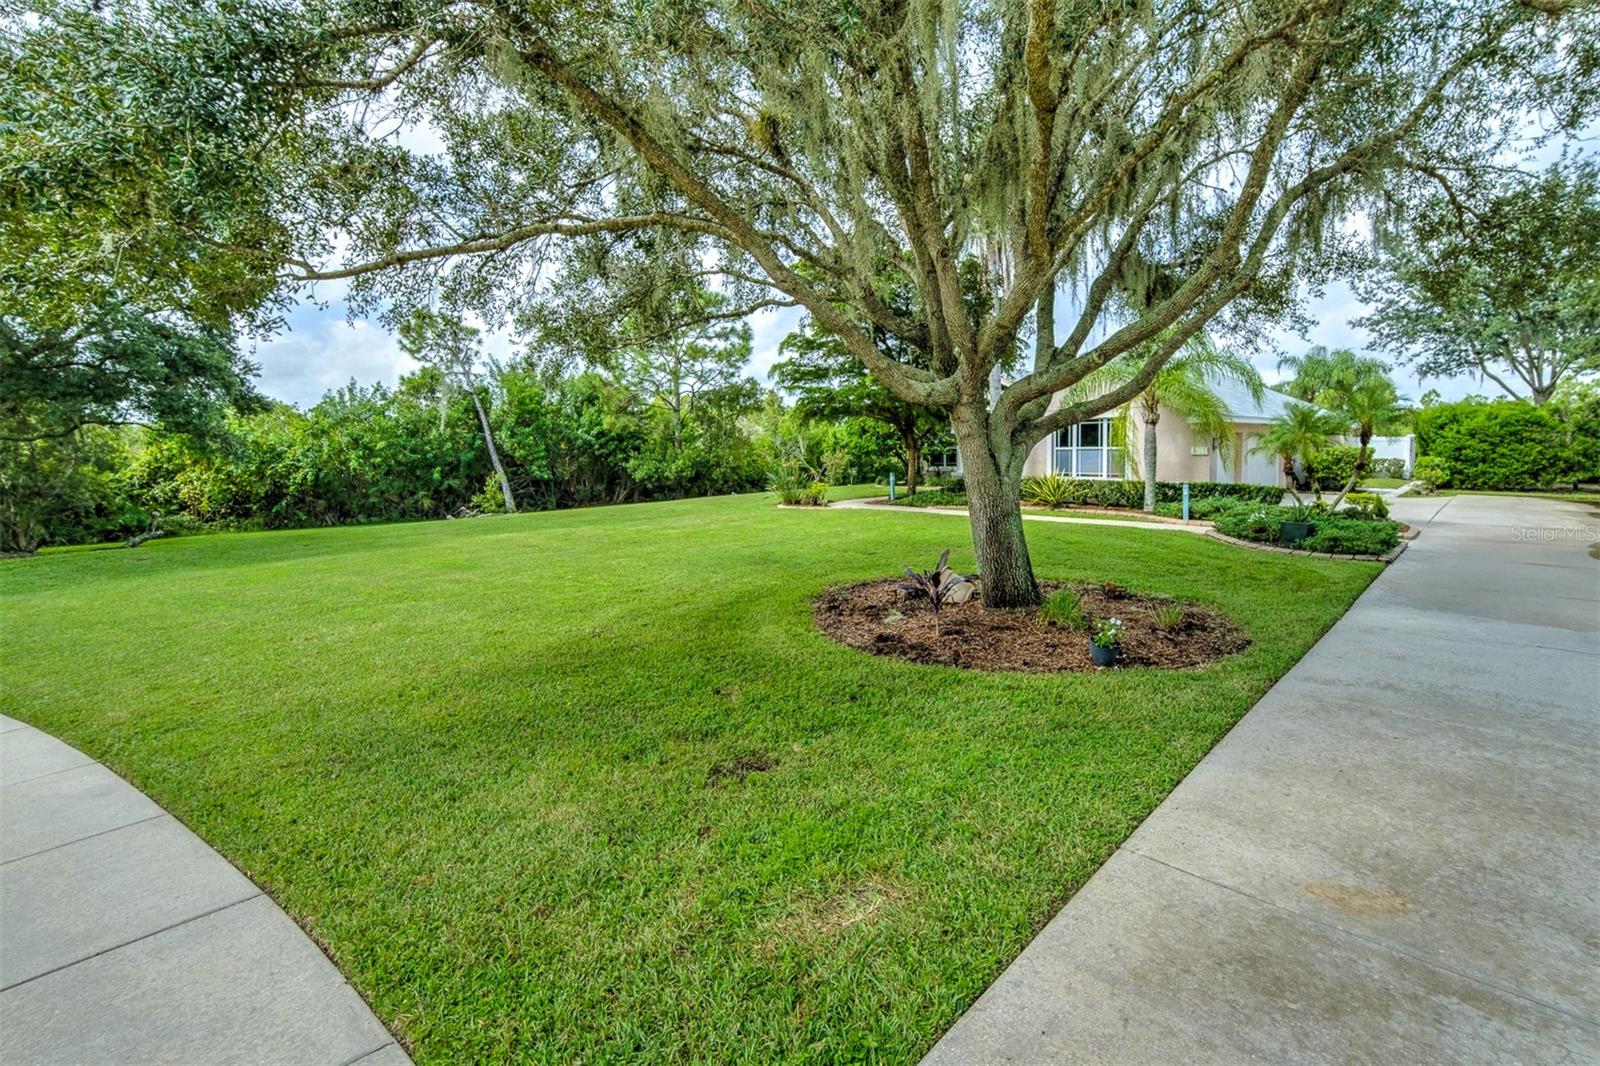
x=1152, y=415
x=1355, y=474
x=494, y=455
x=994, y=507
x=913, y=458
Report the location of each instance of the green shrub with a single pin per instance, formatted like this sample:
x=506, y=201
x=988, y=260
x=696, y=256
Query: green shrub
x=1506, y=444
x=181, y=525
x=1252, y=523
x=1367, y=505
x=1096, y=492
x=1205, y=508
x=1169, y=616
x=1335, y=466
x=1386, y=468
x=1431, y=473
x=932, y=498
x=1353, y=536
x=1051, y=490
x=1062, y=608
x=1342, y=534
x=797, y=485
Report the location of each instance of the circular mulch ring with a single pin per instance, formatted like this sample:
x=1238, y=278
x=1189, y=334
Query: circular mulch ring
x=972, y=636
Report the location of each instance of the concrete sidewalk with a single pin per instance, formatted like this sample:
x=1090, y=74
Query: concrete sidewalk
x=880, y=503
x=124, y=938
x=1394, y=857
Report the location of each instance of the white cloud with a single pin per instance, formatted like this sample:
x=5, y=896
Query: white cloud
x=321, y=351
x=769, y=327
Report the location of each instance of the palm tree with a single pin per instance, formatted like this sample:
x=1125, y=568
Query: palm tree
x=1370, y=405
x=1187, y=386
x=1300, y=435
x=1322, y=370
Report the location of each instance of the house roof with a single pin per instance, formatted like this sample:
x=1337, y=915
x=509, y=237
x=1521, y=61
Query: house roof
x=1242, y=407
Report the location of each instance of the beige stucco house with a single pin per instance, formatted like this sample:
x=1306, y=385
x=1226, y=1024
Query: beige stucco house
x=1090, y=449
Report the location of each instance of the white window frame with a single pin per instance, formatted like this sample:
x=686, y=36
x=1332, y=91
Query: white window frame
x=1067, y=454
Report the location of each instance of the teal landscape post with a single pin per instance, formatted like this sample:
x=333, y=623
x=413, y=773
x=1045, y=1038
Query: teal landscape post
x=891, y=486
x=1185, y=501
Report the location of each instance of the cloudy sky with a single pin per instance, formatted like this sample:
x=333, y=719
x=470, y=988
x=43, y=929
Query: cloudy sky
x=323, y=349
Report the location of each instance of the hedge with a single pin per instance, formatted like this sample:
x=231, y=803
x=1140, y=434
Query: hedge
x=1505, y=444
x=1095, y=492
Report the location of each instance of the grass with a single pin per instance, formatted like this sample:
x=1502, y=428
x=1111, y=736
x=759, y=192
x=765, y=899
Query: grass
x=929, y=497
x=1589, y=496
x=498, y=767
x=1384, y=482
x=856, y=492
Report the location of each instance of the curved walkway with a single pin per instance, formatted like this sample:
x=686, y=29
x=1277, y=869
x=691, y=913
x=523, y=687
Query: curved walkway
x=124, y=938
x=879, y=503
x=1204, y=529
x=1393, y=857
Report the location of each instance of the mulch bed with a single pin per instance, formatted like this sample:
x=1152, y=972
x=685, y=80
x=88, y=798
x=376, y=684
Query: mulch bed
x=970, y=635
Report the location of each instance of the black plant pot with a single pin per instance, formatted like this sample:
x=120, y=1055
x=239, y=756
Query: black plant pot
x=1294, y=534
x=1104, y=656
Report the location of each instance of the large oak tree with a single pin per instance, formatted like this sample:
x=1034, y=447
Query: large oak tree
x=1166, y=161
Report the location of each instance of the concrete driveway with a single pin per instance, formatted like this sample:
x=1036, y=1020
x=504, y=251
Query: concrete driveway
x=1394, y=857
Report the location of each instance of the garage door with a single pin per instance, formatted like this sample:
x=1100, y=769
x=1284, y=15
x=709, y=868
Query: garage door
x=1259, y=468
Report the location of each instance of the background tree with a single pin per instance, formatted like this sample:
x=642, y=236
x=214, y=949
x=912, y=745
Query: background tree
x=451, y=347
x=829, y=382
x=66, y=385
x=1577, y=404
x=1508, y=288
x=1186, y=386
x=1180, y=165
x=1355, y=388
x=116, y=366
x=694, y=354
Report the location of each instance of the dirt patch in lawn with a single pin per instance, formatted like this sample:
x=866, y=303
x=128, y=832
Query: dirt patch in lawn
x=739, y=767
x=877, y=617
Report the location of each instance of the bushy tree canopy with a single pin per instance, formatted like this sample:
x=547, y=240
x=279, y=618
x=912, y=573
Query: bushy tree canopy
x=1508, y=288
x=112, y=367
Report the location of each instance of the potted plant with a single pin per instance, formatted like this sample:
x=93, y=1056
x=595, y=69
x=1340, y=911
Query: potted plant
x=1105, y=641
x=1296, y=527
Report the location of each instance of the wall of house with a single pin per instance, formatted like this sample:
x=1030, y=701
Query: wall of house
x=1175, y=443
x=1175, y=460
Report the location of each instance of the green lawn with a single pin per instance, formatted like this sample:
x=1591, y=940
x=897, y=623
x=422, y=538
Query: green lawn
x=1589, y=496
x=1385, y=482
x=856, y=492
x=476, y=759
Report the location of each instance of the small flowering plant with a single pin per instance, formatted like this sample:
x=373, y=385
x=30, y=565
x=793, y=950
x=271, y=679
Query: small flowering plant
x=1107, y=633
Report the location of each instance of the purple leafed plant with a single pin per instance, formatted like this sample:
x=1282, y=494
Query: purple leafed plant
x=939, y=586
